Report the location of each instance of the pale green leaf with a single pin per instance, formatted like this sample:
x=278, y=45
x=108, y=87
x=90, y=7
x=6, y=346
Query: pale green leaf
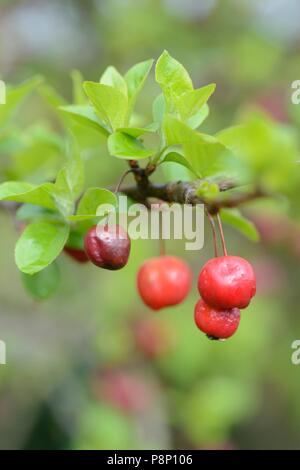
x=158, y=108
x=177, y=157
x=124, y=146
x=138, y=131
x=172, y=77
x=234, y=218
x=85, y=116
x=191, y=102
x=110, y=104
x=113, y=78
x=195, y=121
x=79, y=96
x=15, y=95
x=25, y=192
x=135, y=79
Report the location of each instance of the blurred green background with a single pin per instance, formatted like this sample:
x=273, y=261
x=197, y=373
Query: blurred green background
x=92, y=368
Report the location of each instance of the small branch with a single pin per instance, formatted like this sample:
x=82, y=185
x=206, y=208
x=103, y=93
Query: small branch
x=184, y=192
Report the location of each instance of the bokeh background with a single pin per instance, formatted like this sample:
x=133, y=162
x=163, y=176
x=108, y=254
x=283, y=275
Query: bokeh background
x=92, y=367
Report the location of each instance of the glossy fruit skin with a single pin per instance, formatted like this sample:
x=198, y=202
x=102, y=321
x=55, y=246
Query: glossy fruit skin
x=218, y=324
x=164, y=281
x=227, y=282
x=107, y=246
x=77, y=254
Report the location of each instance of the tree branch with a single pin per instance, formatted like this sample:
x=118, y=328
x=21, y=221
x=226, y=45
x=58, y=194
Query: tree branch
x=185, y=192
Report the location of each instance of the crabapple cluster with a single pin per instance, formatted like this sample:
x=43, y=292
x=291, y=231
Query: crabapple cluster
x=226, y=285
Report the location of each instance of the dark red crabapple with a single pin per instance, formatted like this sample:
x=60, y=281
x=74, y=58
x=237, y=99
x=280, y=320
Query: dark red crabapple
x=218, y=324
x=227, y=282
x=77, y=254
x=107, y=246
x=164, y=281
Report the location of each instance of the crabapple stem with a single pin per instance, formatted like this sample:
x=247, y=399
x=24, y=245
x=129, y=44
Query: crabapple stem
x=213, y=228
x=162, y=246
x=222, y=234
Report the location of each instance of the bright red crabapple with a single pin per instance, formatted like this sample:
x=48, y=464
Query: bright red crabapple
x=107, y=246
x=218, y=324
x=226, y=282
x=77, y=254
x=164, y=281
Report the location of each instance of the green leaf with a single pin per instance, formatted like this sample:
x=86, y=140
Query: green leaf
x=15, y=95
x=172, y=77
x=113, y=78
x=42, y=284
x=91, y=200
x=69, y=182
x=124, y=146
x=234, y=218
x=191, y=102
x=51, y=96
x=206, y=155
x=159, y=108
x=79, y=96
x=138, y=131
x=26, y=192
x=30, y=212
x=208, y=190
x=135, y=79
x=110, y=104
x=76, y=240
x=177, y=157
x=85, y=116
x=39, y=245
x=195, y=121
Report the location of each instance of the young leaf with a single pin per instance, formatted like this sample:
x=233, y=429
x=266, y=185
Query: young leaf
x=172, y=77
x=195, y=121
x=191, y=102
x=124, y=146
x=68, y=185
x=42, y=284
x=79, y=96
x=177, y=157
x=30, y=213
x=91, y=200
x=26, y=192
x=135, y=79
x=51, y=96
x=39, y=245
x=206, y=155
x=85, y=116
x=138, y=131
x=113, y=78
x=110, y=104
x=159, y=108
x=15, y=95
x=234, y=218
